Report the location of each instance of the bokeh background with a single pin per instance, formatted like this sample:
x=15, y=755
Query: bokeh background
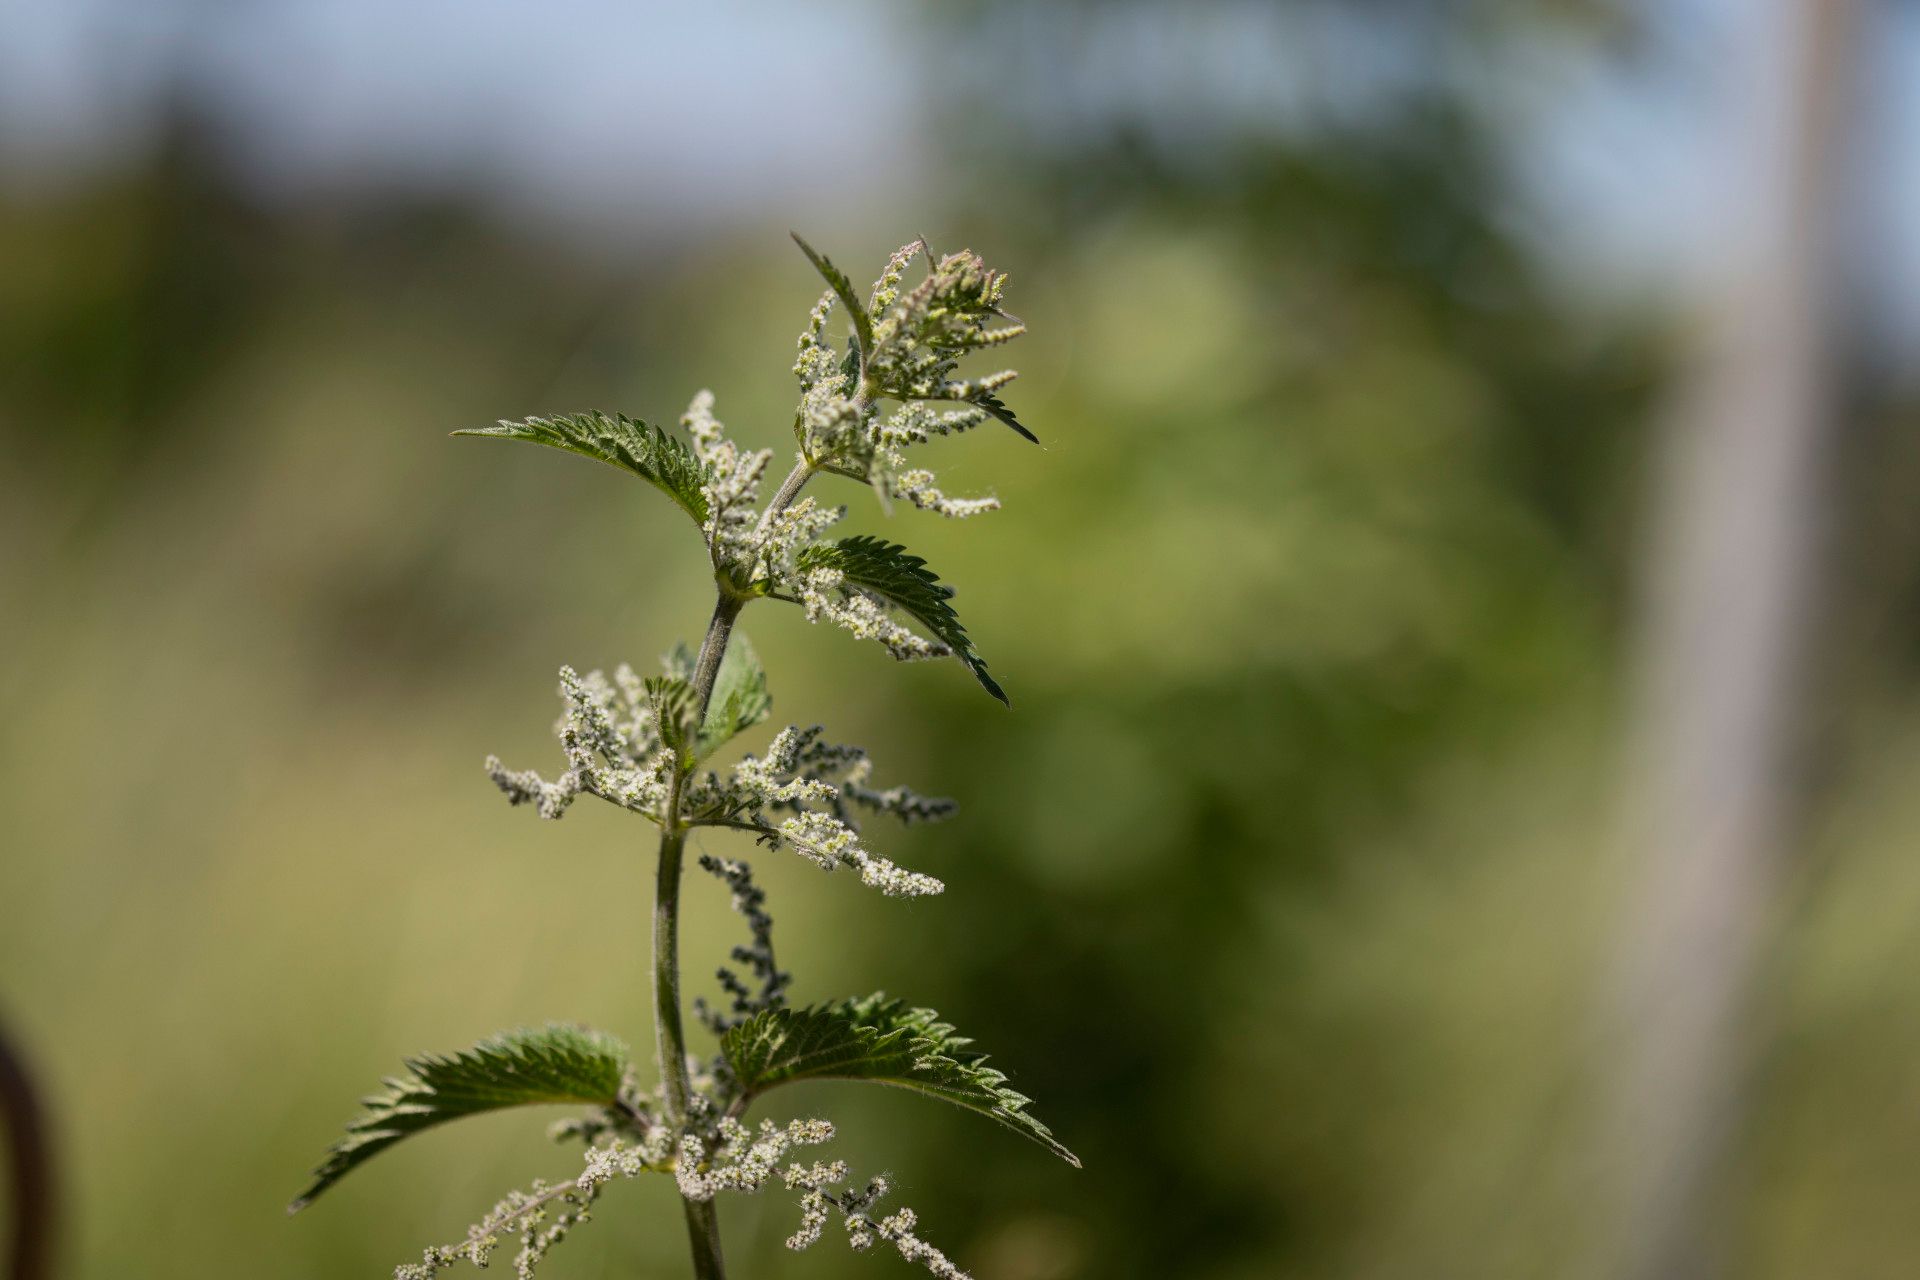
x=1290, y=887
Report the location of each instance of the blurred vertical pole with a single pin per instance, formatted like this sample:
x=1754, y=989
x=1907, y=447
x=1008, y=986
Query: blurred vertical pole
x=1711, y=806
x=29, y=1167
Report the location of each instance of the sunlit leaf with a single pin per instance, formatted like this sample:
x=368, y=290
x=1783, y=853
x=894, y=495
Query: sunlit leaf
x=842, y=288
x=663, y=461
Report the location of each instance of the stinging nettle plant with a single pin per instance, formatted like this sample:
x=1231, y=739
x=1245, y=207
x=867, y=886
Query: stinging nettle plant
x=640, y=743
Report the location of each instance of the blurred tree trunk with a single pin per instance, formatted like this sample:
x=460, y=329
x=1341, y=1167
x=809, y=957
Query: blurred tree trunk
x=1712, y=807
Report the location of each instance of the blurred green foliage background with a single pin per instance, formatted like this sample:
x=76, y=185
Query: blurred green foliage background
x=1284, y=889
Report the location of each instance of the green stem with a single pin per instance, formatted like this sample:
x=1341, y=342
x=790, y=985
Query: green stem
x=788, y=491
x=703, y=1222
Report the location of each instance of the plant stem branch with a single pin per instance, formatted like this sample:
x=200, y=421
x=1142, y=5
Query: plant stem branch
x=789, y=490
x=703, y=1222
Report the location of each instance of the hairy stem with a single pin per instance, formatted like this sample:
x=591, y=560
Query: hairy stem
x=706, y=667
x=788, y=491
x=703, y=1222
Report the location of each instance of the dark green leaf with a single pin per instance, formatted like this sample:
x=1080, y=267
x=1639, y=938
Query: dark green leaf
x=843, y=287
x=516, y=1068
x=905, y=582
x=740, y=698
x=664, y=461
x=883, y=1041
x=996, y=407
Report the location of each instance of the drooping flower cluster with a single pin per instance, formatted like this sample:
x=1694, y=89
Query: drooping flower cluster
x=743, y=1160
x=749, y=900
x=747, y=1160
x=897, y=1228
x=799, y=770
x=542, y=1216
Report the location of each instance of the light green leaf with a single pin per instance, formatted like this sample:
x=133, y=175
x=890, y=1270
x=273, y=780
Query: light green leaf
x=843, y=288
x=513, y=1069
x=663, y=461
x=883, y=1041
x=672, y=701
x=903, y=581
x=740, y=698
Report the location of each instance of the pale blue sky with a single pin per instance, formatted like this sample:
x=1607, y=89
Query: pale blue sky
x=608, y=115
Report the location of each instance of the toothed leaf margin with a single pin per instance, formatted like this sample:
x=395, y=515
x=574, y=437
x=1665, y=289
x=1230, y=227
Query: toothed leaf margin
x=903, y=580
x=842, y=288
x=556, y=1064
x=663, y=461
x=883, y=1041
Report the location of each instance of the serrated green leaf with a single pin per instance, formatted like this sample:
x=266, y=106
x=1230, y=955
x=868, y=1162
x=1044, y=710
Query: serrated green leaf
x=998, y=409
x=740, y=698
x=883, y=1041
x=663, y=461
x=516, y=1068
x=903, y=580
x=843, y=288
x=672, y=701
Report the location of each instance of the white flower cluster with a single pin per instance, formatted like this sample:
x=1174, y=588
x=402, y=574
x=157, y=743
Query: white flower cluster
x=612, y=739
x=732, y=490
x=785, y=534
x=543, y=1215
x=611, y=736
x=920, y=335
x=825, y=594
x=744, y=1159
x=897, y=1228
x=799, y=769
x=817, y=364
x=524, y=786
x=745, y=543
x=917, y=487
x=831, y=843
x=843, y=772
x=918, y=339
